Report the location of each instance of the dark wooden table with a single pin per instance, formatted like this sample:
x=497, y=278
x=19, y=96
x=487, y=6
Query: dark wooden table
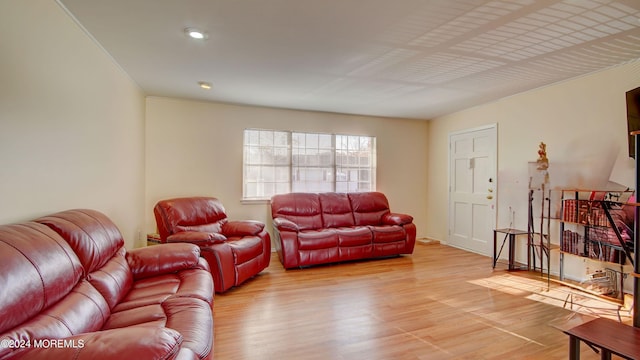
x=611, y=337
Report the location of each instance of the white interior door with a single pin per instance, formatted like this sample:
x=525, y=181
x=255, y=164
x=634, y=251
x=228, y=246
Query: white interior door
x=472, y=189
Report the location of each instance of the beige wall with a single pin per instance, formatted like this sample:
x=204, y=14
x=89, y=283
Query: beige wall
x=71, y=122
x=195, y=148
x=583, y=123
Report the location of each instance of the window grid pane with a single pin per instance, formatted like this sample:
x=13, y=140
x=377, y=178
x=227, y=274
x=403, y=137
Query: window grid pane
x=312, y=167
x=266, y=163
x=355, y=163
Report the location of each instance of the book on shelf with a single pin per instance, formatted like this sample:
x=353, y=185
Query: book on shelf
x=572, y=242
x=577, y=211
x=602, y=252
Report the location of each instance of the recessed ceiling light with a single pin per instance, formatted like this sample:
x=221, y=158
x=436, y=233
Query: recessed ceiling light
x=204, y=85
x=196, y=34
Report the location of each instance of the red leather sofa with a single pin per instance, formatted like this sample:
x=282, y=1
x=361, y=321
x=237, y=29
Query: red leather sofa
x=312, y=229
x=235, y=250
x=70, y=290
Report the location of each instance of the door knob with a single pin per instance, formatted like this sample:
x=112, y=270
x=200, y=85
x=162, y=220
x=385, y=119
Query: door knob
x=489, y=197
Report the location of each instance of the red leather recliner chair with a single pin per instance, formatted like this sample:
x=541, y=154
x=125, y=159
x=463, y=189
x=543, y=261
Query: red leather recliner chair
x=235, y=250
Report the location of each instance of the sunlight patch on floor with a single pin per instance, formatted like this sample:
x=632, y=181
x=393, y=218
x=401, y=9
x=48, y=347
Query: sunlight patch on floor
x=556, y=295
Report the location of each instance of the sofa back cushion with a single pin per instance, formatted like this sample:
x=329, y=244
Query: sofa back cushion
x=301, y=208
x=205, y=214
x=369, y=207
x=37, y=269
x=336, y=210
x=99, y=245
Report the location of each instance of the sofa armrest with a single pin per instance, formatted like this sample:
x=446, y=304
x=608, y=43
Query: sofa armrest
x=242, y=228
x=397, y=219
x=144, y=342
x=196, y=237
x=163, y=259
x=283, y=224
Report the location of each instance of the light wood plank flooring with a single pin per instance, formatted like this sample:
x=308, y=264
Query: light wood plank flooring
x=439, y=303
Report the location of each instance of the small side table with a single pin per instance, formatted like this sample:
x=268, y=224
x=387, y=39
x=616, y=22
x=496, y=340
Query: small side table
x=509, y=234
x=153, y=239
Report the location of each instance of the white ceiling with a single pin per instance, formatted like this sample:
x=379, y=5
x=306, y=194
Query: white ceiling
x=397, y=58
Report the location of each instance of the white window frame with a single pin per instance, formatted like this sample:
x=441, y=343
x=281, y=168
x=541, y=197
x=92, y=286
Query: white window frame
x=315, y=162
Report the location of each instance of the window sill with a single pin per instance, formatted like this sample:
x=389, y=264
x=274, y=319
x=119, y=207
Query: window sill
x=255, y=201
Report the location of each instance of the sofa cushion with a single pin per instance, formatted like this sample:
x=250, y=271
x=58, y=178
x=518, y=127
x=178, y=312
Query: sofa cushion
x=37, y=269
x=301, y=208
x=91, y=235
x=189, y=316
x=369, y=208
x=196, y=237
x=354, y=236
x=99, y=245
x=155, y=290
x=114, y=279
x=149, y=315
x=336, y=210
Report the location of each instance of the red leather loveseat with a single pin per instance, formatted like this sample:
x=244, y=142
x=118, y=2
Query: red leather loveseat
x=235, y=250
x=312, y=228
x=70, y=290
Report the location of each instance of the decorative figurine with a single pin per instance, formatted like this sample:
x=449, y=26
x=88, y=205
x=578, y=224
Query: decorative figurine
x=543, y=161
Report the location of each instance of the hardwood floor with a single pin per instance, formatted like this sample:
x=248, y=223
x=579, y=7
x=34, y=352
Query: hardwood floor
x=439, y=303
